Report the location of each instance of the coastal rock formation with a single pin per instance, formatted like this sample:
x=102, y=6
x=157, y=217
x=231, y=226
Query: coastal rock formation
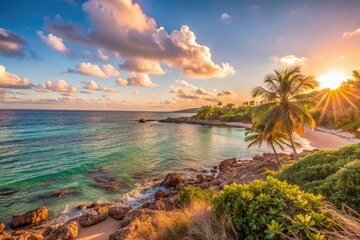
x=2, y=227
x=143, y=120
x=227, y=163
x=31, y=217
x=119, y=211
x=94, y=216
x=25, y=235
x=65, y=232
x=171, y=180
x=159, y=194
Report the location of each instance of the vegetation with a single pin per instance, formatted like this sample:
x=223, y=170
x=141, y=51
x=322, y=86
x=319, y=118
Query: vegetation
x=272, y=210
x=340, y=108
x=286, y=106
x=228, y=113
x=190, y=194
x=334, y=174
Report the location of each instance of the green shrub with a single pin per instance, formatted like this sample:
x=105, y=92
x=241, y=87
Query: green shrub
x=190, y=194
x=330, y=173
x=266, y=171
x=271, y=209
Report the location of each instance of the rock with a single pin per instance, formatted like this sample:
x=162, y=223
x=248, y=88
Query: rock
x=65, y=232
x=106, y=182
x=258, y=158
x=179, y=186
x=171, y=180
x=82, y=207
x=30, y=217
x=159, y=194
x=204, y=178
x=142, y=120
x=227, y=163
x=5, y=235
x=213, y=171
x=119, y=211
x=2, y=227
x=94, y=216
x=25, y=235
x=64, y=192
x=135, y=213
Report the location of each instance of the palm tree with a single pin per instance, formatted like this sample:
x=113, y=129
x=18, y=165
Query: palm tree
x=286, y=105
x=258, y=137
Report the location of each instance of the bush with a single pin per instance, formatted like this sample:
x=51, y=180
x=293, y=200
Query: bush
x=333, y=174
x=271, y=209
x=195, y=194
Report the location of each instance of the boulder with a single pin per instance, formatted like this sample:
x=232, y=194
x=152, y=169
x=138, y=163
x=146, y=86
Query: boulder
x=204, y=178
x=119, y=211
x=227, y=162
x=2, y=227
x=258, y=158
x=159, y=194
x=65, y=232
x=171, y=180
x=26, y=235
x=30, y=217
x=5, y=235
x=142, y=120
x=93, y=216
x=135, y=213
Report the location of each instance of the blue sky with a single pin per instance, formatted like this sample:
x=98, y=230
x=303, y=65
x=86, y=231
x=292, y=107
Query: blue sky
x=161, y=70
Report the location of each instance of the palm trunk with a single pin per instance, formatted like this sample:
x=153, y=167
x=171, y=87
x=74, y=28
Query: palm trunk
x=296, y=156
x=276, y=155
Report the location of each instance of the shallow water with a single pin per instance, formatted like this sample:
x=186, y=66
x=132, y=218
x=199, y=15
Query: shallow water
x=45, y=151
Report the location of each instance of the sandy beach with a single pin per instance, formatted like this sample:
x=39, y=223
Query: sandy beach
x=318, y=138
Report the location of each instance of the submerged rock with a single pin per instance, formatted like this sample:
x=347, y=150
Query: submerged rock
x=104, y=181
x=94, y=216
x=64, y=192
x=171, y=180
x=119, y=211
x=30, y=217
x=65, y=232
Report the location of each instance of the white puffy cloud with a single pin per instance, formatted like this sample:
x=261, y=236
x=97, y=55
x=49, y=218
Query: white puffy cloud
x=120, y=26
x=92, y=85
x=353, y=33
x=225, y=16
x=288, y=59
x=142, y=66
x=59, y=86
x=94, y=70
x=54, y=42
x=11, y=44
x=10, y=80
x=138, y=80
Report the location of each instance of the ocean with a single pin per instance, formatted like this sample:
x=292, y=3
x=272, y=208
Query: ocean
x=100, y=156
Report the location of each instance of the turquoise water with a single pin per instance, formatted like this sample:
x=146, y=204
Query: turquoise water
x=45, y=151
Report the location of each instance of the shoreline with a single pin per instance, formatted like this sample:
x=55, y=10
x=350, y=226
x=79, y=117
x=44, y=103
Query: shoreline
x=319, y=138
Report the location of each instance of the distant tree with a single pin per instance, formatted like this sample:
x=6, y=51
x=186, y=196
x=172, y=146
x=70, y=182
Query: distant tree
x=354, y=82
x=286, y=106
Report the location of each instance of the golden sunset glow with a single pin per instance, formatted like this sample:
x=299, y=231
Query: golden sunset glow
x=331, y=80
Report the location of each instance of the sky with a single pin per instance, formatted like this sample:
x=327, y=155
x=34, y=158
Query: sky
x=164, y=55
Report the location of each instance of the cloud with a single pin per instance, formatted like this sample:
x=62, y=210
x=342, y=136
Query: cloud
x=289, y=59
x=120, y=26
x=138, y=80
x=185, y=90
x=94, y=70
x=101, y=56
x=54, y=42
x=135, y=93
x=11, y=44
x=98, y=56
x=59, y=86
x=10, y=80
x=92, y=85
x=142, y=66
x=226, y=93
x=353, y=33
x=225, y=16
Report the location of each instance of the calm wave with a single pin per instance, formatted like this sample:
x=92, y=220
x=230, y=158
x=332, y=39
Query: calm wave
x=45, y=151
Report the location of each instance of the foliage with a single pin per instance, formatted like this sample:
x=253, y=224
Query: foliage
x=286, y=106
x=228, y=113
x=334, y=174
x=190, y=194
x=266, y=171
x=271, y=209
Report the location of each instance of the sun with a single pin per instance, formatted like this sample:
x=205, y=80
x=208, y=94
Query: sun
x=331, y=80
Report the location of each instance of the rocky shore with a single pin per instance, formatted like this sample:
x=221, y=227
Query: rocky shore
x=190, y=120
x=35, y=225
